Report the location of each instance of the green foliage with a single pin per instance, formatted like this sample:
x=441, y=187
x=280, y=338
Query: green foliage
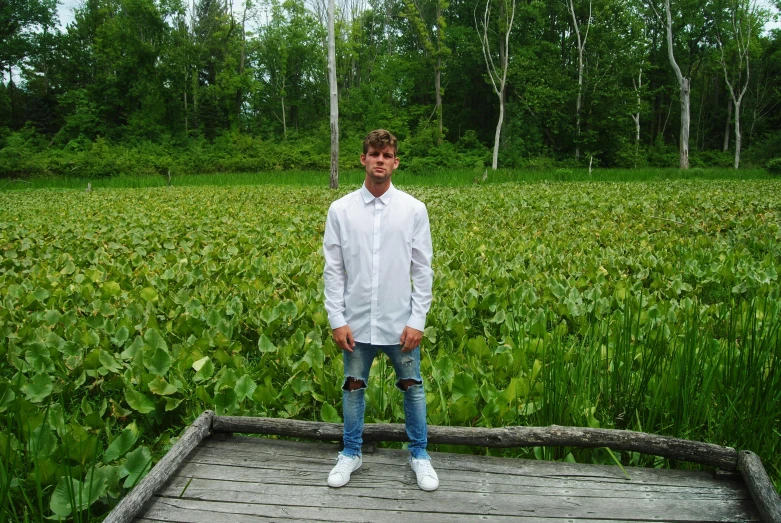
x=620, y=305
x=774, y=167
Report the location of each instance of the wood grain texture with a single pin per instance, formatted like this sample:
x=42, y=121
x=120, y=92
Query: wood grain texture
x=254, y=479
x=554, y=435
x=760, y=486
x=131, y=504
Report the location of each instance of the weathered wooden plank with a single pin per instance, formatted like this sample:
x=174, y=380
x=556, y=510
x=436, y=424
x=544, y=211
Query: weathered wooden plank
x=253, y=452
x=131, y=504
x=192, y=511
x=377, y=474
x=760, y=486
x=374, y=476
x=477, y=503
x=554, y=435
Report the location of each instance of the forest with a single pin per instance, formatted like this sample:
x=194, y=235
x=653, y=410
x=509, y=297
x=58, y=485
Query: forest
x=161, y=86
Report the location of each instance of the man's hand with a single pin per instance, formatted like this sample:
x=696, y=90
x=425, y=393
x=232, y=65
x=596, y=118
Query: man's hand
x=410, y=339
x=343, y=337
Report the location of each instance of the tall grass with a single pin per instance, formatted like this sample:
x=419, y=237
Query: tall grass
x=695, y=378
x=402, y=177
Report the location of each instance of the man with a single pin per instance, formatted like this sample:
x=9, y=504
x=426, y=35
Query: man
x=377, y=239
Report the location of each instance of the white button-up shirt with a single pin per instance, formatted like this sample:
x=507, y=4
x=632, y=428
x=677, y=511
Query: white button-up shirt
x=376, y=250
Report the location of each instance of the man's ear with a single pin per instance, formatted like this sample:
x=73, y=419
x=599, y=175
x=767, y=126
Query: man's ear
x=363, y=159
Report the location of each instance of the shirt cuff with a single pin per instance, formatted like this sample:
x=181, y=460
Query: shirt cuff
x=336, y=321
x=417, y=323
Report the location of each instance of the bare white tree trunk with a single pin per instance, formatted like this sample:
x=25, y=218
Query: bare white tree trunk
x=725, y=147
x=743, y=12
x=636, y=117
x=581, y=48
x=334, y=179
x=498, y=75
x=685, y=87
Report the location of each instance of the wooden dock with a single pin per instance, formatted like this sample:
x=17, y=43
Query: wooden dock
x=225, y=478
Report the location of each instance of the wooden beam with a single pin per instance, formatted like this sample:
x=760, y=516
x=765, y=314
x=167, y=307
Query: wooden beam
x=760, y=486
x=131, y=504
x=554, y=436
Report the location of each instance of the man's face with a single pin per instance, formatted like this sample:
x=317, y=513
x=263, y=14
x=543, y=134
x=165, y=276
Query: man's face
x=379, y=163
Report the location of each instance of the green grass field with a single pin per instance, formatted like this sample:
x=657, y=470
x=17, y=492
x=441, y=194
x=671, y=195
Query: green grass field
x=642, y=305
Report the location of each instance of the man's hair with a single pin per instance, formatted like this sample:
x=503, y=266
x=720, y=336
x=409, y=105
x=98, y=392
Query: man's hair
x=380, y=139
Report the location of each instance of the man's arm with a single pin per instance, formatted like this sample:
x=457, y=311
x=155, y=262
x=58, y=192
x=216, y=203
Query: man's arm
x=335, y=279
x=422, y=279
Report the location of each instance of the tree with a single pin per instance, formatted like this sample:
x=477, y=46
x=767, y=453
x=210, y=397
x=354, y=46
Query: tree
x=581, y=48
x=433, y=44
x=742, y=18
x=334, y=97
x=498, y=75
x=684, y=84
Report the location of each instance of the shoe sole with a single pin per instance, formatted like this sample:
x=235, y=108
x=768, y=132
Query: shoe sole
x=348, y=479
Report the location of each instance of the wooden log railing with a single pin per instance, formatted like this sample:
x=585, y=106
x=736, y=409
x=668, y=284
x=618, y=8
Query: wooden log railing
x=727, y=458
x=553, y=436
x=131, y=504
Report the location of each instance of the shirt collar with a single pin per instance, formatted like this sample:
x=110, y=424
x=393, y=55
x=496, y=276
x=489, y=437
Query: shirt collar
x=385, y=198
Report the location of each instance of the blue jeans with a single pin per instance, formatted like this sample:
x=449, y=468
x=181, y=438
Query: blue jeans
x=407, y=365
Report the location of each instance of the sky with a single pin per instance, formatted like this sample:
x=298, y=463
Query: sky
x=65, y=11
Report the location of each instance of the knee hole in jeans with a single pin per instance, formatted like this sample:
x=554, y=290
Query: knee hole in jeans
x=351, y=384
x=405, y=384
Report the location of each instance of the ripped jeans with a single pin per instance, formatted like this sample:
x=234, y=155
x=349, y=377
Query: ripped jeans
x=407, y=365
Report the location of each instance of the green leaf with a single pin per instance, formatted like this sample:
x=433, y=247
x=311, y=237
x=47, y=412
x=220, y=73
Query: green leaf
x=157, y=362
x=161, y=387
x=122, y=443
x=52, y=317
x=172, y=403
x=109, y=363
x=111, y=288
x=478, y=347
x=149, y=294
x=329, y=414
x=464, y=386
x=154, y=340
x=38, y=388
x=225, y=402
x=121, y=336
x=205, y=369
x=68, y=269
x=137, y=465
x=7, y=396
x=139, y=401
x=265, y=345
x=463, y=411
x=244, y=388
x=71, y=494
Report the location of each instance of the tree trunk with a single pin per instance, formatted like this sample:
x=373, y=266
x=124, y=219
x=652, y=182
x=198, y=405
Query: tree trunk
x=334, y=95
x=685, y=87
x=685, y=108
x=186, y=122
x=438, y=72
x=581, y=47
x=727, y=126
x=495, y=161
x=737, y=134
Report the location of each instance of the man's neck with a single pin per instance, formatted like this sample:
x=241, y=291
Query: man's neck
x=377, y=189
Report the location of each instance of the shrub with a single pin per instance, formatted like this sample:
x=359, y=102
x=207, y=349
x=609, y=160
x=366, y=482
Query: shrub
x=774, y=167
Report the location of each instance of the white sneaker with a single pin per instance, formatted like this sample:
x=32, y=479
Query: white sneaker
x=345, y=466
x=427, y=476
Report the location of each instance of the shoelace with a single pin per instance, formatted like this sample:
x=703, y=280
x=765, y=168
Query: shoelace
x=425, y=468
x=343, y=464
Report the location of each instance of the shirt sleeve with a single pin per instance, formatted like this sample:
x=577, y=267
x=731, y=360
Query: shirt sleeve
x=420, y=271
x=333, y=273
